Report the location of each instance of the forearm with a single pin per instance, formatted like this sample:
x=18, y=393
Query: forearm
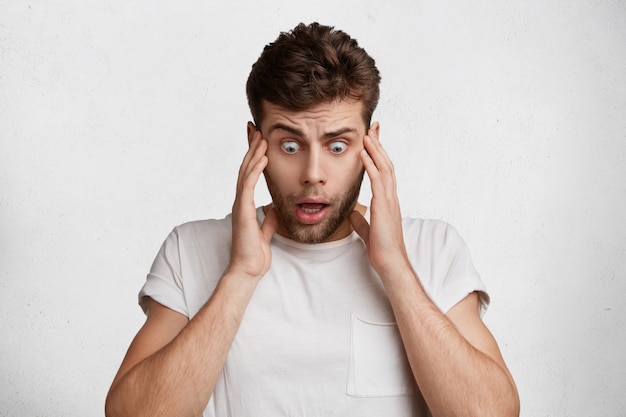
x=455, y=378
x=179, y=379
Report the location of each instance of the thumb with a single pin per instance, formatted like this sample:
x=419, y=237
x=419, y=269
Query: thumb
x=270, y=224
x=360, y=225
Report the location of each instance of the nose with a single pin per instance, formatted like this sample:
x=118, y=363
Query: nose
x=313, y=171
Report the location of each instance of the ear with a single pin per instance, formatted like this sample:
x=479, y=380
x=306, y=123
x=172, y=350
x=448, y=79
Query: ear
x=376, y=128
x=252, y=129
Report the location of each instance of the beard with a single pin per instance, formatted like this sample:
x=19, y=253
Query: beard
x=340, y=207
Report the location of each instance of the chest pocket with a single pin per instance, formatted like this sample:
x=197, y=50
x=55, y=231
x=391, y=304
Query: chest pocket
x=378, y=363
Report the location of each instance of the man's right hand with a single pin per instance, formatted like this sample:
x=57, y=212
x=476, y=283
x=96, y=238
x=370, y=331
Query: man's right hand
x=173, y=363
x=250, y=250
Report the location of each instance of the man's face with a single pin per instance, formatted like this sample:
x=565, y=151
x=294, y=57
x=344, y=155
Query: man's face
x=314, y=171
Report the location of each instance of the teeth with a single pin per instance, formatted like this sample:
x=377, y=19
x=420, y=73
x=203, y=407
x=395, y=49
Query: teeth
x=311, y=208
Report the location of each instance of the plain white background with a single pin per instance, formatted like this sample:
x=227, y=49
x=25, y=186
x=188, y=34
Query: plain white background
x=122, y=119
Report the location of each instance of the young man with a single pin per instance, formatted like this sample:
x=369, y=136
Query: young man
x=314, y=305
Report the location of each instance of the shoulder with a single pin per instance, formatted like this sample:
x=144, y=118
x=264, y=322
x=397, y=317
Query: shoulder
x=442, y=260
x=189, y=265
x=432, y=231
x=203, y=230
x=197, y=235
x=435, y=242
x=196, y=226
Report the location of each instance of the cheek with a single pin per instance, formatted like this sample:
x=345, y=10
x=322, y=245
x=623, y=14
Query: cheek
x=276, y=166
x=349, y=167
x=283, y=174
x=343, y=175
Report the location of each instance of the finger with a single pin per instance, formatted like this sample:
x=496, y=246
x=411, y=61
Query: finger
x=250, y=171
x=257, y=152
x=360, y=225
x=376, y=183
x=250, y=164
x=377, y=144
x=251, y=156
x=270, y=224
x=380, y=156
x=251, y=177
x=253, y=142
x=381, y=161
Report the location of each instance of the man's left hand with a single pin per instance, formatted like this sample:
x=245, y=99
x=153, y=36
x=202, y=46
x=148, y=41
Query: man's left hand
x=383, y=237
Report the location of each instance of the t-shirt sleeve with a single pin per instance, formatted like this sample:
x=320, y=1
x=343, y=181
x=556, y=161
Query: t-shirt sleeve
x=164, y=281
x=461, y=278
x=444, y=265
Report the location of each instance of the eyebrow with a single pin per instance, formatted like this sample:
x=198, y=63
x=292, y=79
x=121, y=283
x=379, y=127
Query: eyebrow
x=281, y=126
x=298, y=132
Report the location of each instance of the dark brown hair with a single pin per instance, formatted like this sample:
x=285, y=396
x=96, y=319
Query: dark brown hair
x=310, y=65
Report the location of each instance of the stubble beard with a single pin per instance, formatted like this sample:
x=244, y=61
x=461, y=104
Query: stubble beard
x=340, y=208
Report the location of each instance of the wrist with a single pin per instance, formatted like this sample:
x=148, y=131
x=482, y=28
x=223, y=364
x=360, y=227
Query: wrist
x=239, y=280
x=394, y=268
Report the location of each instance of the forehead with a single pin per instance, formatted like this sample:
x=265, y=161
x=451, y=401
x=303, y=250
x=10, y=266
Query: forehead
x=339, y=113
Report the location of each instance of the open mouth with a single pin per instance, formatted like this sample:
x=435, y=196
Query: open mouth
x=311, y=212
x=312, y=208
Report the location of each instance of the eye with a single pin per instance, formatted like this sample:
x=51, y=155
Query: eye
x=290, y=146
x=337, y=147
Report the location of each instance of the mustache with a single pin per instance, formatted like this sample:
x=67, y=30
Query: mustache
x=317, y=191
x=314, y=192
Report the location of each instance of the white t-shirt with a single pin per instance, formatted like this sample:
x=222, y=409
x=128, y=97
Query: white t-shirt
x=318, y=337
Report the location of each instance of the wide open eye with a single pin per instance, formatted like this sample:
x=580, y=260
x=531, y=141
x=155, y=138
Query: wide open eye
x=338, y=147
x=290, y=146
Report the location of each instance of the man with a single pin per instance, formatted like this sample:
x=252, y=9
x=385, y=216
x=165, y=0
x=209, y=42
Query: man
x=313, y=305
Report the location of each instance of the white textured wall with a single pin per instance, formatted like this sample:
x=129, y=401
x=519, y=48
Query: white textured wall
x=122, y=119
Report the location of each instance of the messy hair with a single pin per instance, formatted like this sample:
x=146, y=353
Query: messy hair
x=310, y=65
